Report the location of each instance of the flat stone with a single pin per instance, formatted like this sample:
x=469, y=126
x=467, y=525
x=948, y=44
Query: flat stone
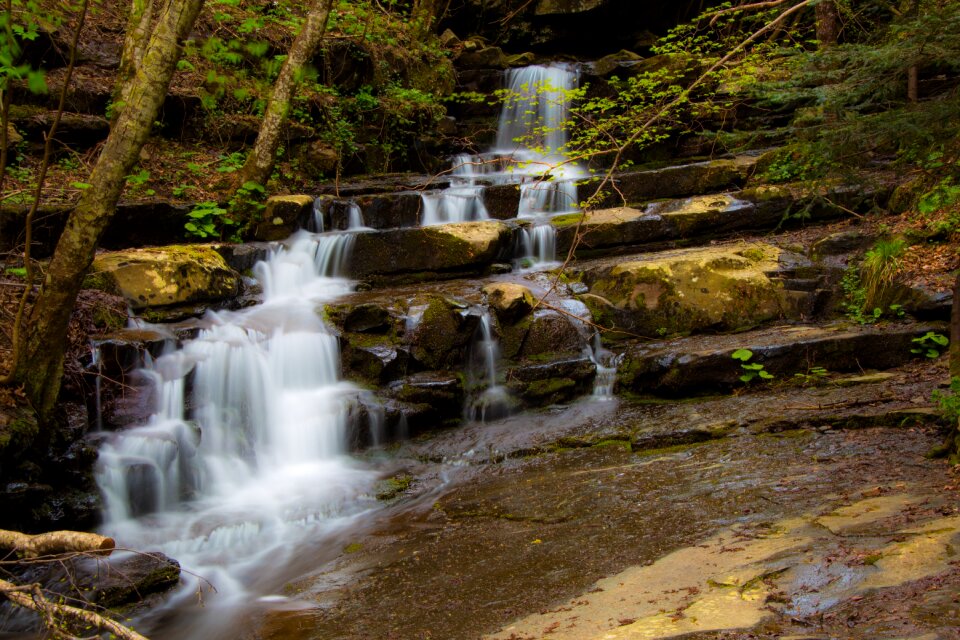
x=283, y=215
x=716, y=287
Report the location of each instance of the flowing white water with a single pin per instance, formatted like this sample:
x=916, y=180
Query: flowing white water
x=530, y=150
x=245, y=457
x=493, y=401
x=355, y=218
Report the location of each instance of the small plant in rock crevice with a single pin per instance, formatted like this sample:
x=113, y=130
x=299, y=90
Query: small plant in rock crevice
x=752, y=370
x=930, y=345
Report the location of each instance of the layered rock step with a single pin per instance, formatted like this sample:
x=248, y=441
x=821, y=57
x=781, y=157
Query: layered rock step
x=706, y=364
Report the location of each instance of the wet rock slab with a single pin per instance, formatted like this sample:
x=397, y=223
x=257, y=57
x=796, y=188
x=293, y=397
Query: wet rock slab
x=558, y=533
x=705, y=364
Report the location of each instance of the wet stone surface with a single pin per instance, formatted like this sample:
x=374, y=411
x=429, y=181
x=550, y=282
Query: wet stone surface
x=524, y=516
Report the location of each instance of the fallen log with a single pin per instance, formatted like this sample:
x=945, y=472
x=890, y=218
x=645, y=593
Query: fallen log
x=31, y=597
x=55, y=542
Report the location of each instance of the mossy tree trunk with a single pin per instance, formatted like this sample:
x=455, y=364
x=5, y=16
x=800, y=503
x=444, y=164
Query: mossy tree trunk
x=260, y=161
x=38, y=365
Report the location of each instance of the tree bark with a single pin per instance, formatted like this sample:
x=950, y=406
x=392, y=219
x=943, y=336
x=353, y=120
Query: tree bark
x=55, y=542
x=54, y=614
x=955, y=330
x=138, y=28
x=259, y=163
x=39, y=365
x=828, y=23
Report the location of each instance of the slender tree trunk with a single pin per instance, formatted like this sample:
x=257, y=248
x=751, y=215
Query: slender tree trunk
x=260, y=161
x=39, y=365
x=955, y=330
x=828, y=23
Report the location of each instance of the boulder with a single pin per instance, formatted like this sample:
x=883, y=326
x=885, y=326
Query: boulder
x=320, y=158
x=551, y=334
x=483, y=58
x=161, y=277
x=721, y=288
x=440, y=334
x=538, y=384
x=437, y=251
x=283, y=215
x=510, y=301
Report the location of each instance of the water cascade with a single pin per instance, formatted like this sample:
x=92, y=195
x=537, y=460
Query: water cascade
x=493, y=401
x=245, y=454
x=461, y=202
x=529, y=151
x=355, y=218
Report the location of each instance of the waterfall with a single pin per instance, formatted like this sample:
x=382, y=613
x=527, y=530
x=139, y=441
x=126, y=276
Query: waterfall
x=606, y=363
x=244, y=456
x=355, y=218
x=462, y=201
x=529, y=151
x=493, y=401
x=316, y=220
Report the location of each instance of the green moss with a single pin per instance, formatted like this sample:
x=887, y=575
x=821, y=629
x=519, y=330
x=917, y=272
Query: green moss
x=540, y=389
x=618, y=444
x=392, y=487
x=566, y=220
x=353, y=547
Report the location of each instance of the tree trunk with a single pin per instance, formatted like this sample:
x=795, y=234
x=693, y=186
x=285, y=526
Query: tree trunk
x=955, y=330
x=138, y=28
x=260, y=161
x=39, y=366
x=828, y=23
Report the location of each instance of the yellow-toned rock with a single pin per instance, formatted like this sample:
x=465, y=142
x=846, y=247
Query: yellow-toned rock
x=711, y=288
x=510, y=300
x=165, y=276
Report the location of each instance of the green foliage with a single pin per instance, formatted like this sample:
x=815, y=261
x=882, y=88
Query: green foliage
x=813, y=376
x=137, y=181
x=930, y=345
x=949, y=403
x=209, y=220
x=21, y=25
x=752, y=370
x=880, y=266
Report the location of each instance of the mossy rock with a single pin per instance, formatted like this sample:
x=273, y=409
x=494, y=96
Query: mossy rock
x=440, y=337
x=467, y=247
x=165, y=276
x=551, y=333
x=705, y=289
x=510, y=301
x=283, y=215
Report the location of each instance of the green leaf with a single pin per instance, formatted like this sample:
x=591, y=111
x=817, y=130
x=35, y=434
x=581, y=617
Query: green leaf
x=80, y=185
x=766, y=375
x=742, y=354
